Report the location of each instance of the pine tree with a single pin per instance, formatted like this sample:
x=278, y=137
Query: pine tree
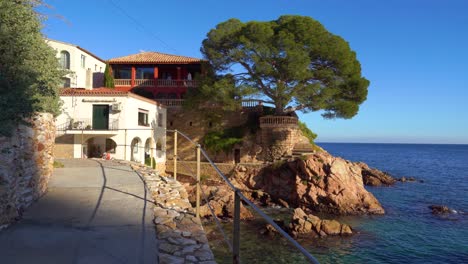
x=293, y=63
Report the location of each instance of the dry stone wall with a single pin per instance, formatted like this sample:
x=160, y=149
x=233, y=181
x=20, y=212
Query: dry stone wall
x=180, y=233
x=26, y=164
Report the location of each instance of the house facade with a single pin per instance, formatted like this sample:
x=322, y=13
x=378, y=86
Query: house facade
x=108, y=123
x=86, y=69
x=164, y=77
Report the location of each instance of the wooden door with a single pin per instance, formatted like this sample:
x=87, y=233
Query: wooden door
x=100, y=117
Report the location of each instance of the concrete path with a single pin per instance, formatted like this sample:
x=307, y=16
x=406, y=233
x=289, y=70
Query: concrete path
x=94, y=212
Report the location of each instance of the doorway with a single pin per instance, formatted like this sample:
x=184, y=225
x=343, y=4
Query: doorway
x=100, y=117
x=237, y=155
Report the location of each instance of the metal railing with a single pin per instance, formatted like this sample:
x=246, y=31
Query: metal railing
x=238, y=197
x=87, y=124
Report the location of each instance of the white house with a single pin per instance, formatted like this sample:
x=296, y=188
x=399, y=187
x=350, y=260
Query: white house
x=87, y=69
x=103, y=120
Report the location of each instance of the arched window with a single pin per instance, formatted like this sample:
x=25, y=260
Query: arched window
x=65, y=59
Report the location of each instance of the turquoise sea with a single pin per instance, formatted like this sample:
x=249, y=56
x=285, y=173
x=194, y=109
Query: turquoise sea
x=407, y=233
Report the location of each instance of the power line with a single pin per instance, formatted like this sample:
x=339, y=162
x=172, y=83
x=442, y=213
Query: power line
x=141, y=25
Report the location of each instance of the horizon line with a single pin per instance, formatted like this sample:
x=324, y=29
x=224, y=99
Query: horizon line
x=389, y=143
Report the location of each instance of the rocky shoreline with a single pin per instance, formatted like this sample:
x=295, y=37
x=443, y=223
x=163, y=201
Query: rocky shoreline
x=318, y=183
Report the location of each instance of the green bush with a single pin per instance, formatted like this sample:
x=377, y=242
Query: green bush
x=58, y=164
x=225, y=140
x=30, y=74
x=307, y=132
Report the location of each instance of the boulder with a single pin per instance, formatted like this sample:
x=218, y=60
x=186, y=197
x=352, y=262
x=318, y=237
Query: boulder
x=303, y=223
x=441, y=209
x=221, y=200
x=375, y=177
x=318, y=182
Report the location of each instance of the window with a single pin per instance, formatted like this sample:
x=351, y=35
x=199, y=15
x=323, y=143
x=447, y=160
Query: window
x=100, y=69
x=83, y=61
x=144, y=73
x=160, y=120
x=65, y=82
x=143, y=117
x=95, y=67
x=65, y=59
x=122, y=72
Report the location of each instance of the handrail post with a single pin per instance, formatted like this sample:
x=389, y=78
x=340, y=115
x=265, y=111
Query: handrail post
x=175, y=154
x=152, y=149
x=197, y=211
x=236, y=230
x=125, y=144
x=81, y=148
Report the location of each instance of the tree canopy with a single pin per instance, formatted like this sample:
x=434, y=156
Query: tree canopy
x=30, y=75
x=292, y=62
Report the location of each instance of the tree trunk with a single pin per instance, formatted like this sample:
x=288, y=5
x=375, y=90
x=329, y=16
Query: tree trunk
x=279, y=110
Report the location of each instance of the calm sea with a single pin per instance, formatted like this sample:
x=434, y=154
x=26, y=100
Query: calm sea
x=408, y=232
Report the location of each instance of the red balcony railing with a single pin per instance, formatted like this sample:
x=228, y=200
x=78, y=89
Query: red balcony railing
x=155, y=83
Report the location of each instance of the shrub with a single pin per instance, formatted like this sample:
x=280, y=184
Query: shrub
x=307, y=132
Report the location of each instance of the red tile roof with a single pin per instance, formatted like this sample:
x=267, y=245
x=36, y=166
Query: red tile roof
x=154, y=57
x=92, y=92
x=103, y=92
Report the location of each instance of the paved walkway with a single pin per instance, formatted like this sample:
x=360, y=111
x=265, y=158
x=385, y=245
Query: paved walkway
x=94, y=212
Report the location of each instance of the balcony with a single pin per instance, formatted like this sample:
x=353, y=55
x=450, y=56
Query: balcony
x=155, y=83
x=86, y=126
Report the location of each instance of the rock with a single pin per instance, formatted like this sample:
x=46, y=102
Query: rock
x=169, y=259
x=441, y=209
x=271, y=229
x=318, y=182
x=374, y=177
x=221, y=201
x=409, y=179
x=283, y=203
x=331, y=227
x=311, y=224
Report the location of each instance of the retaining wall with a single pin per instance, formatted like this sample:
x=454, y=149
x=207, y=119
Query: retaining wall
x=26, y=164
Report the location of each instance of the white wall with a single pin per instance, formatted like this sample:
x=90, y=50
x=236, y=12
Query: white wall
x=78, y=77
x=75, y=108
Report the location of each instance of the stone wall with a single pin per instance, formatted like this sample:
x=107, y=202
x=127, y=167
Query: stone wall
x=181, y=237
x=197, y=124
x=64, y=147
x=26, y=164
x=274, y=138
x=189, y=168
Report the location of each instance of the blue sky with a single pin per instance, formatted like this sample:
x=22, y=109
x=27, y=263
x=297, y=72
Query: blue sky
x=414, y=52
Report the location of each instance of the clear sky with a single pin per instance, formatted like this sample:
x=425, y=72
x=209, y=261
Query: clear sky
x=414, y=52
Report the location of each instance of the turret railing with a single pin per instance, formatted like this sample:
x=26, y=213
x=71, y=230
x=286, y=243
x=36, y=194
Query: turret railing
x=275, y=121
